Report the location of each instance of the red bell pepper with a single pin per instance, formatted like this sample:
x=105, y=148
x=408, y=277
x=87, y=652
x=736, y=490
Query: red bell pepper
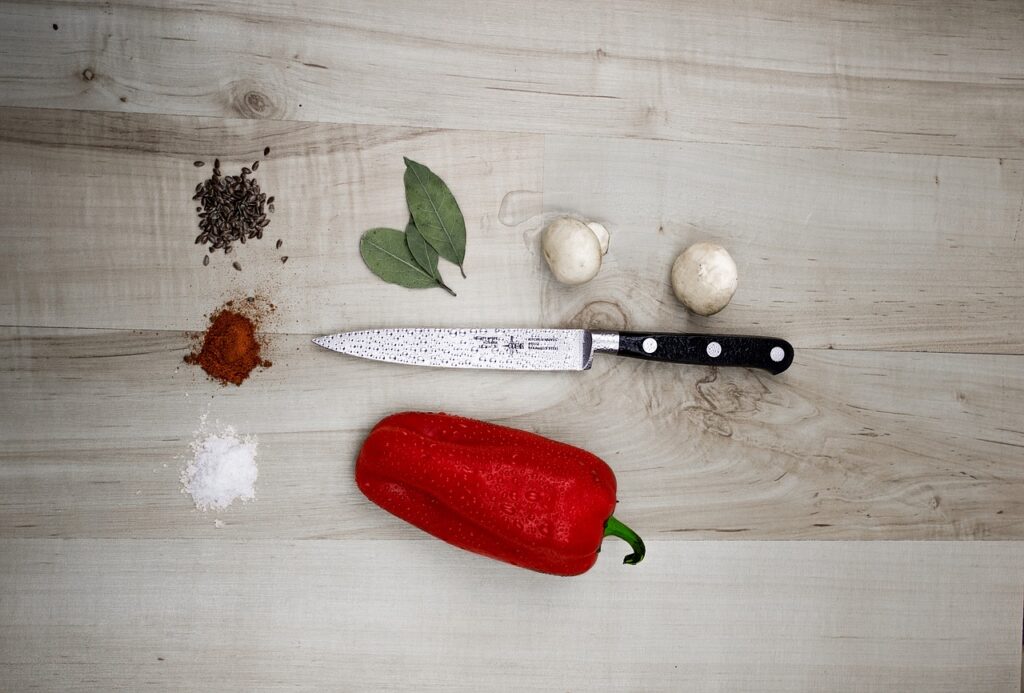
x=500, y=492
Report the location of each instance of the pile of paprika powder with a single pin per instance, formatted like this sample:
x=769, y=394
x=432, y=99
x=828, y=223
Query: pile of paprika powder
x=230, y=349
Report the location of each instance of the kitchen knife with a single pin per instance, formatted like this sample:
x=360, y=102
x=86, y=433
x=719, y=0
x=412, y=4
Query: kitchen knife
x=555, y=350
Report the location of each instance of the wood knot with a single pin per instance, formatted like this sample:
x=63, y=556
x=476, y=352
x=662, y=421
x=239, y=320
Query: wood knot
x=253, y=103
x=712, y=422
x=726, y=395
x=601, y=315
x=256, y=102
x=88, y=75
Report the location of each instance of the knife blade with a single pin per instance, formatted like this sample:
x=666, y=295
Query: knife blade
x=554, y=349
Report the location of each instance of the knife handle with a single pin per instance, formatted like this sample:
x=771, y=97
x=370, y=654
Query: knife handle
x=771, y=354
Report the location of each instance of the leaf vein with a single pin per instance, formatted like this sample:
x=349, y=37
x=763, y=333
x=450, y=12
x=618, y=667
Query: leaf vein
x=400, y=259
x=437, y=213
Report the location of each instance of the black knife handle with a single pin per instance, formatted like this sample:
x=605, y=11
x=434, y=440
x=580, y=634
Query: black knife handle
x=771, y=354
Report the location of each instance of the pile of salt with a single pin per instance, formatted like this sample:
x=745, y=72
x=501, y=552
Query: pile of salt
x=223, y=469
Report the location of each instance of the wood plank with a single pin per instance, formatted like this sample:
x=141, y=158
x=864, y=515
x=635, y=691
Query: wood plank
x=865, y=163
x=835, y=249
x=103, y=202
x=407, y=615
x=845, y=445
x=892, y=77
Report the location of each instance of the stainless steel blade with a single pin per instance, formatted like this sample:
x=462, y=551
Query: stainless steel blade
x=499, y=348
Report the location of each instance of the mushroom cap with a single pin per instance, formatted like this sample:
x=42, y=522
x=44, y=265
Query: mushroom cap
x=603, y=237
x=704, y=278
x=572, y=250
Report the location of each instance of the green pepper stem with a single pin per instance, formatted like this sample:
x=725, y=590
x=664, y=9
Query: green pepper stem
x=614, y=528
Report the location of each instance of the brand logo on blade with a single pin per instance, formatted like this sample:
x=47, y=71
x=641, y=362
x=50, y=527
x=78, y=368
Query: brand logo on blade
x=513, y=346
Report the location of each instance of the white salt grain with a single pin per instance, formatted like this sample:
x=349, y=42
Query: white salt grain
x=223, y=469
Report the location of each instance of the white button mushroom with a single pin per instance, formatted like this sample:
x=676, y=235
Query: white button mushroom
x=704, y=278
x=602, y=235
x=572, y=250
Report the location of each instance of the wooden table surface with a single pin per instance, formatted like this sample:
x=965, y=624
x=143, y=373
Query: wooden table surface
x=863, y=163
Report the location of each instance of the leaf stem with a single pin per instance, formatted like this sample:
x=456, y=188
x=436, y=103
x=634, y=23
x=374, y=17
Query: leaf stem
x=446, y=287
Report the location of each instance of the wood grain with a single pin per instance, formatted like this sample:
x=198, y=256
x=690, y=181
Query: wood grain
x=864, y=162
x=103, y=201
x=844, y=445
x=835, y=249
x=891, y=77
x=173, y=615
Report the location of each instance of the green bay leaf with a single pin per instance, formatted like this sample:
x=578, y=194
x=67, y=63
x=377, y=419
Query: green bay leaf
x=387, y=255
x=424, y=254
x=435, y=212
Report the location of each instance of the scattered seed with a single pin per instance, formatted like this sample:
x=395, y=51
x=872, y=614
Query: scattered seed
x=270, y=207
x=266, y=150
x=237, y=266
x=198, y=164
x=206, y=260
x=232, y=209
x=284, y=259
x=270, y=200
x=255, y=165
x=279, y=243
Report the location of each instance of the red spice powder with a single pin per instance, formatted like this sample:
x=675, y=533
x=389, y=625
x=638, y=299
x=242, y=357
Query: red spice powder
x=230, y=349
